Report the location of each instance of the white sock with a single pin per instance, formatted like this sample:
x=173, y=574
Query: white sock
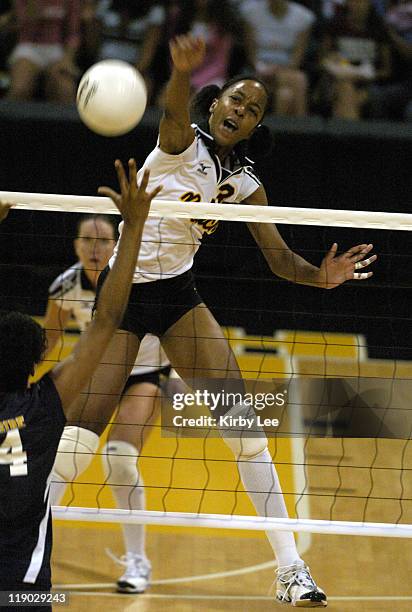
x=261, y=482
x=119, y=462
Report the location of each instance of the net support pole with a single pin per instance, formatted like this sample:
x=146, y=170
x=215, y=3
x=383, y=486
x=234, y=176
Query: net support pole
x=221, y=521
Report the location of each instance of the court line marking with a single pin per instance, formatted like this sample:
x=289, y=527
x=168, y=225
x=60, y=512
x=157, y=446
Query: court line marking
x=216, y=575
x=235, y=597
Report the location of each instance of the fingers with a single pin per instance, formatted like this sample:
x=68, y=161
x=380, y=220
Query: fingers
x=332, y=251
x=144, y=181
x=187, y=42
x=130, y=187
x=187, y=47
x=121, y=177
x=4, y=209
x=358, y=251
x=5, y=205
x=109, y=193
x=155, y=192
x=365, y=262
x=132, y=175
x=362, y=275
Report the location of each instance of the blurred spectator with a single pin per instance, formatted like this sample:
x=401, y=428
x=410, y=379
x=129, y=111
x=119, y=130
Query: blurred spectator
x=7, y=31
x=222, y=28
x=130, y=31
x=355, y=54
x=323, y=9
x=399, y=17
x=281, y=31
x=393, y=100
x=89, y=35
x=48, y=40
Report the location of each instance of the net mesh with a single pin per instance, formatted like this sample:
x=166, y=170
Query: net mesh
x=348, y=351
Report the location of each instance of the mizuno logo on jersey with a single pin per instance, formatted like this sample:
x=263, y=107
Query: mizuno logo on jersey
x=203, y=168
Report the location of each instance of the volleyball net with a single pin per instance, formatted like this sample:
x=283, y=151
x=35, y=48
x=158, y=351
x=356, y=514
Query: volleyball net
x=342, y=360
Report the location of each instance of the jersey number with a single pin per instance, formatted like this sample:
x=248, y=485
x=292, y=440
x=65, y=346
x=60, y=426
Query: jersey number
x=209, y=225
x=12, y=454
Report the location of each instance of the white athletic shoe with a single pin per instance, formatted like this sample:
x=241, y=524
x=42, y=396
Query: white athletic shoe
x=295, y=585
x=136, y=578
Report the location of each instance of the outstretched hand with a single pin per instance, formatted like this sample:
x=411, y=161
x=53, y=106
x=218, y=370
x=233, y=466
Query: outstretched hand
x=133, y=201
x=335, y=270
x=188, y=52
x=4, y=209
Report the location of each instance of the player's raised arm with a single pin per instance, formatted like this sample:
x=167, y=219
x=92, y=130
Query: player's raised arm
x=176, y=133
x=334, y=269
x=71, y=375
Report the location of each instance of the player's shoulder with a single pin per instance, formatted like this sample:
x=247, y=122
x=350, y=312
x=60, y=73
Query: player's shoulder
x=159, y=161
x=45, y=392
x=39, y=401
x=66, y=281
x=243, y=165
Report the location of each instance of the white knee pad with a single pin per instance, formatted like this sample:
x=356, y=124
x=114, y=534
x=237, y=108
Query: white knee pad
x=75, y=452
x=239, y=429
x=119, y=463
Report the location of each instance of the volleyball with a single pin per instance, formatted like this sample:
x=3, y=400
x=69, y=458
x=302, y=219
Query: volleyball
x=111, y=97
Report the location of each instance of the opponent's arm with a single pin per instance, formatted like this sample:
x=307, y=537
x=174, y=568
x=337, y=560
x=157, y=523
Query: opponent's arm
x=71, y=375
x=176, y=133
x=334, y=270
x=54, y=323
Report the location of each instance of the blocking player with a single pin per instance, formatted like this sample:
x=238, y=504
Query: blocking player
x=32, y=418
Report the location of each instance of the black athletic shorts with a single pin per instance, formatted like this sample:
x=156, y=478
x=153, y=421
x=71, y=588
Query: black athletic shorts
x=155, y=306
x=152, y=377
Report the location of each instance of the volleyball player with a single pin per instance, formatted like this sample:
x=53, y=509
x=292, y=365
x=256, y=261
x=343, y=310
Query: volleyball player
x=32, y=418
x=72, y=295
x=204, y=163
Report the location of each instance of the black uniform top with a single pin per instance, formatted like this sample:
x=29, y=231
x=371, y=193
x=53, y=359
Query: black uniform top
x=31, y=424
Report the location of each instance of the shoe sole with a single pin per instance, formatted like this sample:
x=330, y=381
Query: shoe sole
x=126, y=588
x=303, y=604
x=310, y=604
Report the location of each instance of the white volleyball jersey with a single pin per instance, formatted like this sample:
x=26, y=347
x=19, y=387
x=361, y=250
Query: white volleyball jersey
x=73, y=292
x=195, y=175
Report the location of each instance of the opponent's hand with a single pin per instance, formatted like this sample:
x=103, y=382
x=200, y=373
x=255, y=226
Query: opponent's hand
x=133, y=201
x=4, y=209
x=335, y=270
x=187, y=52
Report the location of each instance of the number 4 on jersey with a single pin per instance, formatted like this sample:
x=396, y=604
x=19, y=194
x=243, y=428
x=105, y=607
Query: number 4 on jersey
x=12, y=454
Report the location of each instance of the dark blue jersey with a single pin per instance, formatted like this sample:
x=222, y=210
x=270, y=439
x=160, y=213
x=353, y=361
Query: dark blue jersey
x=31, y=425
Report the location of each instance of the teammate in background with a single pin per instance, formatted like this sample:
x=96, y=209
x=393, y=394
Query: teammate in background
x=209, y=163
x=32, y=418
x=72, y=295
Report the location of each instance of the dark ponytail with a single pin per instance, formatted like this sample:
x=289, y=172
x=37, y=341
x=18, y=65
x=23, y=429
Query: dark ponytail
x=257, y=147
x=260, y=144
x=202, y=100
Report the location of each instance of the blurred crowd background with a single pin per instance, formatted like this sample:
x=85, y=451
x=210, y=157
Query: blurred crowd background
x=349, y=59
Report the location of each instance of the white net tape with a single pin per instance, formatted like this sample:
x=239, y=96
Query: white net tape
x=48, y=202
x=220, y=521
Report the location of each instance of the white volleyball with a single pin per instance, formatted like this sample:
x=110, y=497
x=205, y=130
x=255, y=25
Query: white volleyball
x=111, y=97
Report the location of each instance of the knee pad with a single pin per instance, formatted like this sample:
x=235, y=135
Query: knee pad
x=76, y=450
x=239, y=429
x=119, y=463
